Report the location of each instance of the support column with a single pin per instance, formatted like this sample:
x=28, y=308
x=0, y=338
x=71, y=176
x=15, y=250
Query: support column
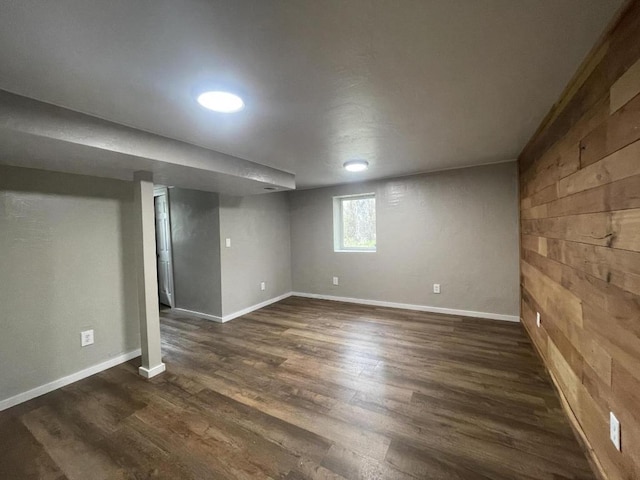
x=145, y=238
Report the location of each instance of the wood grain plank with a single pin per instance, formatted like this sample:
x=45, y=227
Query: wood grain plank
x=617, y=166
x=619, y=229
x=562, y=159
x=568, y=379
x=616, y=132
x=620, y=195
x=625, y=88
x=594, y=421
x=626, y=390
x=553, y=297
x=16, y=444
x=67, y=446
x=617, y=304
x=617, y=267
x=595, y=87
x=619, y=341
x=624, y=46
x=307, y=389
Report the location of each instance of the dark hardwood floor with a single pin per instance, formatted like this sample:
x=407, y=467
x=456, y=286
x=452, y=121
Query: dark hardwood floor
x=307, y=389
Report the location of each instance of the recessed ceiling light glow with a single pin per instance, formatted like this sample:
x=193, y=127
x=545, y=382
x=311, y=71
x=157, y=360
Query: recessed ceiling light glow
x=356, y=165
x=223, y=102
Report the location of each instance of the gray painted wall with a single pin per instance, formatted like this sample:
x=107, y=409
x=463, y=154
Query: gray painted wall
x=67, y=265
x=259, y=229
x=458, y=228
x=195, y=234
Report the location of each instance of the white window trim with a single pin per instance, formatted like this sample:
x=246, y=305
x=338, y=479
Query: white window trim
x=338, y=237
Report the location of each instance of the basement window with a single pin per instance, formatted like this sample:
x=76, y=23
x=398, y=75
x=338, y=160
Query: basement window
x=354, y=223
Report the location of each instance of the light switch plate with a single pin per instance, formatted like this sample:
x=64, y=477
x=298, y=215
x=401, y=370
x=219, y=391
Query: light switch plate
x=227, y=242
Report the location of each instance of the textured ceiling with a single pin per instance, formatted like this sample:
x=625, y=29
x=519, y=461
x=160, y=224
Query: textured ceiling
x=410, y=86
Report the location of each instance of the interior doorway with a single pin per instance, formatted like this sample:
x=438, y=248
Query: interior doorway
x=163, y=246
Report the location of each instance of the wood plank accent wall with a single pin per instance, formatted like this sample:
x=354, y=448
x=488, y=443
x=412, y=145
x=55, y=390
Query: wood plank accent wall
x=580, y=245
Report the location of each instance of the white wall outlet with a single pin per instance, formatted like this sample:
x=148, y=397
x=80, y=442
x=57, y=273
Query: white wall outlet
x=86, y=338
x=614, y=430
x=538, y=321
x=336, y=281
x=263, y=285
x=227, y=242
x=436, y=288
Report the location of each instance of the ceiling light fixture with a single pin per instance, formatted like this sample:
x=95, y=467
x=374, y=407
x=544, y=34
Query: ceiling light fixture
x=223, y=102
x=356, y=165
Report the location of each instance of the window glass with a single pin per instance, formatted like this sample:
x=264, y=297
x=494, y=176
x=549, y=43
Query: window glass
x=355, y=223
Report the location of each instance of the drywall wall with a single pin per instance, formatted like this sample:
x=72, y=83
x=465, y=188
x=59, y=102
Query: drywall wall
x=195, y=235
x=580, y=259
x=458, y=228
x=260, y=251
x=67, y=265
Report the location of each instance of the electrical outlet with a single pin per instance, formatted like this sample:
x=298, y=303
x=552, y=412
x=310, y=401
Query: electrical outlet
x=227, y=242
x=263, y=285
x=335, y=281
x=86, y=338
x=436, y=288
x=614, y=430
x=538, y=321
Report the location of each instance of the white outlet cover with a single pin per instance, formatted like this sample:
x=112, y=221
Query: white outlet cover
x=436, y=288
x=227, y=242
x=336, y=281
x=263, y=286
x=614, y=430
x=86, y=338
x=538, y=319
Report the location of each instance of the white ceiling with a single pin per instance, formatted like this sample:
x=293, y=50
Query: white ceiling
x=410, y=86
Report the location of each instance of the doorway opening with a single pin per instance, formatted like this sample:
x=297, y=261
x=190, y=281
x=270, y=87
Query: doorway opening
x=164, y=255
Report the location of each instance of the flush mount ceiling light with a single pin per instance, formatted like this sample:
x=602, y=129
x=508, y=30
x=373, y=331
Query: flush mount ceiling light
x=356, y=165
x=223, y=102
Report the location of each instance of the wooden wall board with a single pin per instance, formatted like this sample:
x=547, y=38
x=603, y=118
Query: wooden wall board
x=580, y=246
x=620, y=164
x=619, y=195
x=627, y=87
x=617, y=267
x=620, y=129
x=618, y=229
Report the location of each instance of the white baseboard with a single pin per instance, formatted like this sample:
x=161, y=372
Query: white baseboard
x=361, y=301
x=233, y=315
x=206, y=316
x=152, y=372
x=64, y=381
x=408, y=306
x=257, y=306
